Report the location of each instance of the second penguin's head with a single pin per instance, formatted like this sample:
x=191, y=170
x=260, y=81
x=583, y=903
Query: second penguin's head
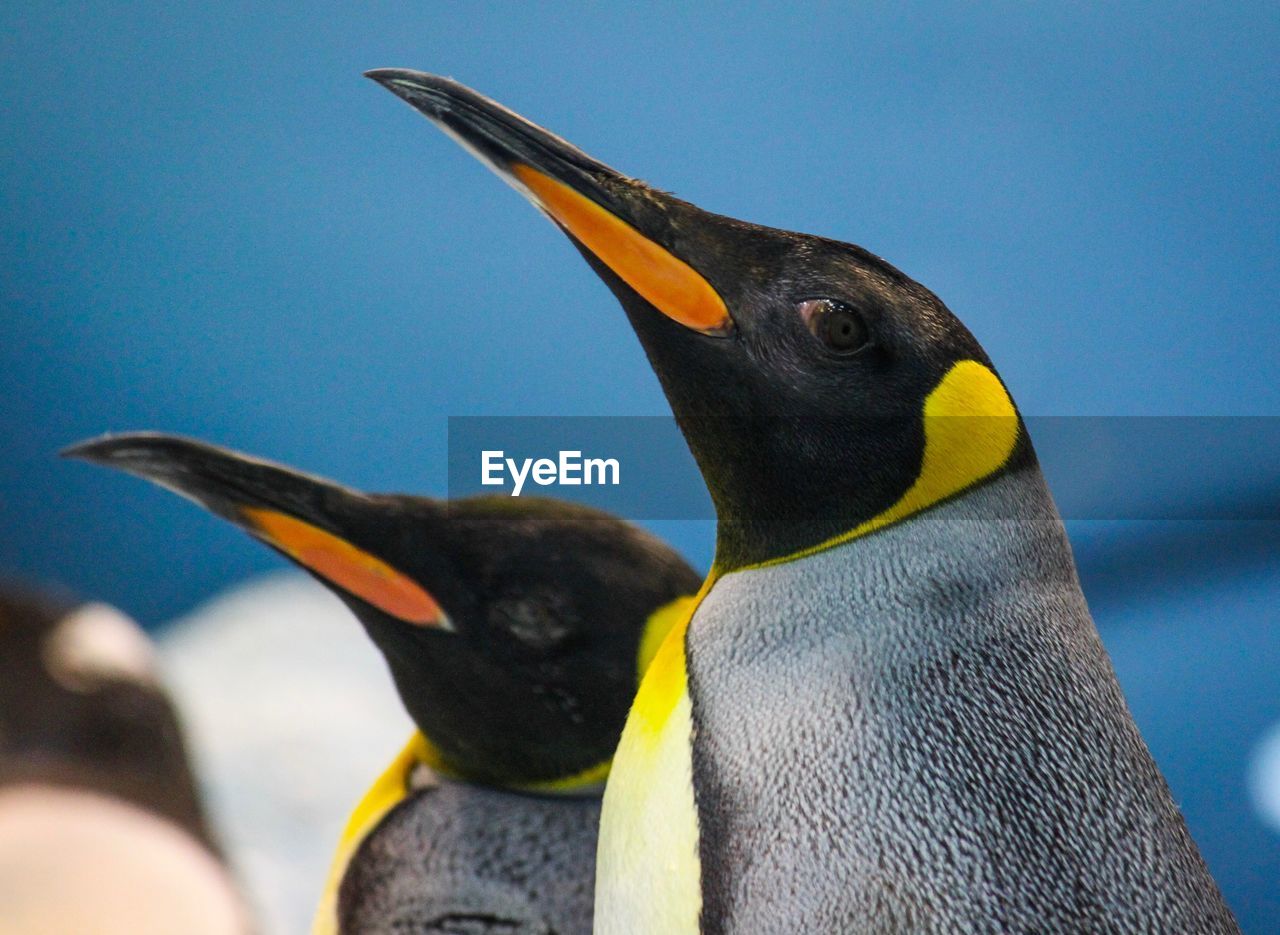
x=515, y=630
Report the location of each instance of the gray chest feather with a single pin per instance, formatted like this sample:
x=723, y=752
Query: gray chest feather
x=921, y=732
x=455, y=859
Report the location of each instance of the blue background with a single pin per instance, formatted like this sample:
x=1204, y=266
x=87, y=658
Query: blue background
x=211, y=224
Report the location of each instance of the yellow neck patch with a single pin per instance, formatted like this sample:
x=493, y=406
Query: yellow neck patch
x=648, y=875
x=666, y=677
x=386, y=792
x=656, y=628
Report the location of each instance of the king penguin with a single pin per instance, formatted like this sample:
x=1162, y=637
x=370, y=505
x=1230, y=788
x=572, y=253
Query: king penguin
x=889, y=710
x=101, y=826
x=515, y=631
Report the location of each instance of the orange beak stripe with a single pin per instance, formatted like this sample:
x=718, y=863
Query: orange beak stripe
x=666, y=282
x=336, y=560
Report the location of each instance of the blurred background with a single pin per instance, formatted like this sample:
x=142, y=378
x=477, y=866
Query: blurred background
x=211, y=224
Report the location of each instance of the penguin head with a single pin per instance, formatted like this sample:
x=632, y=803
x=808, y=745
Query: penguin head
x=515, y=630
x=821, y=391
x=82, y=706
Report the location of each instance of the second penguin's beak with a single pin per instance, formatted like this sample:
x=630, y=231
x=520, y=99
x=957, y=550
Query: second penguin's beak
x=305, y=518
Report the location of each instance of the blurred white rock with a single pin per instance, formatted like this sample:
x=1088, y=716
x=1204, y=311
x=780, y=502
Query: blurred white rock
x=1264, y=777
x=290, y=714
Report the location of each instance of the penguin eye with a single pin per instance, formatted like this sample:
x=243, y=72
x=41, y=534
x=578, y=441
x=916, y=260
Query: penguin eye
x=540, y=618
x=835, y=324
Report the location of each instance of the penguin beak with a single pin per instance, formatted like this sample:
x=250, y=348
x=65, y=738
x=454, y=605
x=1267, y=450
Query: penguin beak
x=292, y=512
x=623, y=225
x=221, y=481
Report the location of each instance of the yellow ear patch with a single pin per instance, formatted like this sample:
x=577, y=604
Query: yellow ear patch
x=970, y=430
x=665, y=281
x=352, y=569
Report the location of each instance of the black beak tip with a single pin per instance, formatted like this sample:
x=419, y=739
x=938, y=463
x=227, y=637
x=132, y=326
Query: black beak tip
x=430, y=93
x=97, y=450
x=386, y=75
x=128, y=450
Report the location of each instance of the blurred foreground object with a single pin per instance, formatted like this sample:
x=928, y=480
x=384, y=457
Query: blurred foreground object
x=289, y=716
x=101, y=827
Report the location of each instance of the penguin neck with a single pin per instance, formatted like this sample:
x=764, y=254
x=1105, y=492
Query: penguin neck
x=941, y=557
x=977, y=541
